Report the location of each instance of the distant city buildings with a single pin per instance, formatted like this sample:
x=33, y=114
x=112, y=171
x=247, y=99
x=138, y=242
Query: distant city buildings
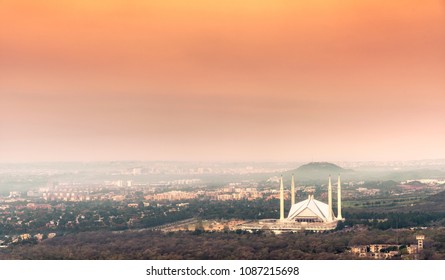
x=193, y=188
x=171, y=196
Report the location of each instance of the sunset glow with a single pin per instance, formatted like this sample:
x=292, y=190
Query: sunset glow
x=222, y=80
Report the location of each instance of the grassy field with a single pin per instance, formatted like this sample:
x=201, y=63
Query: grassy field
x=384, y=202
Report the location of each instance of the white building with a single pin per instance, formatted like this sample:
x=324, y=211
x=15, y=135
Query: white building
x=309, y=214
x=310, y=211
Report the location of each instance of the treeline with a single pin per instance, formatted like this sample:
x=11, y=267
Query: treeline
x=393, y=220
x=237, y=209
x=184, y=245
x=219, y=245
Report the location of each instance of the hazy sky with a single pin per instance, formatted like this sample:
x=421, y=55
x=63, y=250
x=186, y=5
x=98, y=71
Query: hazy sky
x=222, y=80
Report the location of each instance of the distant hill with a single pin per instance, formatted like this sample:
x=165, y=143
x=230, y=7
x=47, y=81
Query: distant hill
x=320, y=166
x=317, y=171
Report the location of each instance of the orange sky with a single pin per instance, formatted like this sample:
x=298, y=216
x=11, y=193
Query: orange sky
x=222, y=80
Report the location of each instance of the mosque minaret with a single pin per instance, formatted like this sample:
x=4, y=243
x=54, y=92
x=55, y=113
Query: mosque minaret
x=339, y=216
x=330, y=215
x=281, y=200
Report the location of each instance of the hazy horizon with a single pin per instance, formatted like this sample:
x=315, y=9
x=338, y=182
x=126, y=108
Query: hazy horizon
x=219, y=161
x=341, y=80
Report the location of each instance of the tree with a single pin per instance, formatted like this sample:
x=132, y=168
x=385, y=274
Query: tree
x=340, y=225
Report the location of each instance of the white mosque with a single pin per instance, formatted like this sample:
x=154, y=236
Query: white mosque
x=309, y=214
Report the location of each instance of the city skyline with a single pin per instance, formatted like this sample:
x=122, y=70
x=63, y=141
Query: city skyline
x=230, y=81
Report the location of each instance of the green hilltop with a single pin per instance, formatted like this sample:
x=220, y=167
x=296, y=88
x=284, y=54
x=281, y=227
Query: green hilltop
x=320, y=166
x=317, y=171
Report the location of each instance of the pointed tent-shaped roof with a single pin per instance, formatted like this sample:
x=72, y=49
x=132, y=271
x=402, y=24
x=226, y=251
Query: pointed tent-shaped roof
x=310, y=208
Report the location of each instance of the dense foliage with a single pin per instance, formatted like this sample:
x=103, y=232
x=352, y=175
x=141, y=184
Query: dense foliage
x=219, y=245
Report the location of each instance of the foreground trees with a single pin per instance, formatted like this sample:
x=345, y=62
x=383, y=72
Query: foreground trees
x=218, y=245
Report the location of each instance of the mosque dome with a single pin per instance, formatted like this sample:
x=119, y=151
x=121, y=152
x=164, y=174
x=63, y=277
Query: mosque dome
x=311, y=211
